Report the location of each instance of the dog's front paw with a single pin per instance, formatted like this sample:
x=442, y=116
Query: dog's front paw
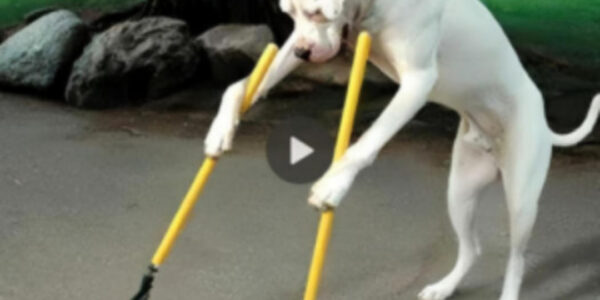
x=220, y=136
x=329, y=191
x=438, y=291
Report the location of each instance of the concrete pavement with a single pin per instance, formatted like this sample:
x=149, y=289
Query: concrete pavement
x=86, y=196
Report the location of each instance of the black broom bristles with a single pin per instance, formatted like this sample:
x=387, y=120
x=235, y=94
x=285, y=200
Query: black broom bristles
x=146, y=286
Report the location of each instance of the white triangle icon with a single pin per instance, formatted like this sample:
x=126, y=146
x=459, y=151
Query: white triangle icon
x=299, y=150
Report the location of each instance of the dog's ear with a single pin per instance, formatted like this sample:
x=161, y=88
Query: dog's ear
x=332, y=9
x=286, y=6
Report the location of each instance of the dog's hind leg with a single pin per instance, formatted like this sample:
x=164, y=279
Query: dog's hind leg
x=524, y=171
x=473, y=169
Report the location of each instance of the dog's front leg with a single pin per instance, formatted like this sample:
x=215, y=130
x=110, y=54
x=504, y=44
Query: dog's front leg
x=416, y=86
x=221, y=132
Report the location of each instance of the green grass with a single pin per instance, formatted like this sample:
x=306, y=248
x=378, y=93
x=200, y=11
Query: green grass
x=564, y=29
x=12, y=11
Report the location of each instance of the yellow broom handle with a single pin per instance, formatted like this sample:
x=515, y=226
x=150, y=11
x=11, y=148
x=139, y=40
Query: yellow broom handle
x=208, y=166
x=343, y=140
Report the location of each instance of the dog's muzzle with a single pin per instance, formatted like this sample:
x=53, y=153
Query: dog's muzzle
x=302, y=53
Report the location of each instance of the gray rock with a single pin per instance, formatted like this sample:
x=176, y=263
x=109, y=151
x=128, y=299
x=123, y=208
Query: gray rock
x=40, y=55
x=232, y=50
x=131, y=62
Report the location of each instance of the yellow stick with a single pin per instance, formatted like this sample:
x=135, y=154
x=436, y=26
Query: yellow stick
x=343, y=140
x=197, y=186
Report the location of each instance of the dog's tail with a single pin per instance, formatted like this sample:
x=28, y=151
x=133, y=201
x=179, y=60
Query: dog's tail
x=573, y=138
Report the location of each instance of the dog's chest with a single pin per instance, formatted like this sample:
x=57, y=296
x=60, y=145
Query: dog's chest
x=481, y=136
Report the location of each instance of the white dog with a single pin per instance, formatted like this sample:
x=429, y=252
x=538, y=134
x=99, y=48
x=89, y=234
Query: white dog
x=452, y=52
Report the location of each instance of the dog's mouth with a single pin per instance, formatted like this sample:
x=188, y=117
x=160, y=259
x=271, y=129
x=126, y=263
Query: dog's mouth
x=345, y=32
x=344, y=41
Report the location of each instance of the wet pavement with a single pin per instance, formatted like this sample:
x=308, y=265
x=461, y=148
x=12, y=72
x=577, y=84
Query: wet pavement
x=86, y=196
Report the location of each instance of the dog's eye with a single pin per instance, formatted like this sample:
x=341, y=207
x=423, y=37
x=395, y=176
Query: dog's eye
x=316, y=16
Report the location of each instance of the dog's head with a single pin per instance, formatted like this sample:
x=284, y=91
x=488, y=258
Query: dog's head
x=320, y=27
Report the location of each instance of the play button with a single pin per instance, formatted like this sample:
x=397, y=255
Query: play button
x=299, y=150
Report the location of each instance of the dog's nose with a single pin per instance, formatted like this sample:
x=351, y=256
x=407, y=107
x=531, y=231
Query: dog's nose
x=302, y=53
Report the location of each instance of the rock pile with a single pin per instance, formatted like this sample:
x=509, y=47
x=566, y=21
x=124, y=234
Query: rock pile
x=134, y=61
